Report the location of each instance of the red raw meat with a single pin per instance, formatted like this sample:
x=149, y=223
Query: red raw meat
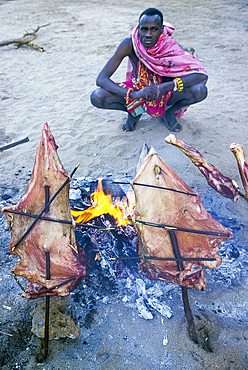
x=224, y=185
x=154, y=205
x=66, y=260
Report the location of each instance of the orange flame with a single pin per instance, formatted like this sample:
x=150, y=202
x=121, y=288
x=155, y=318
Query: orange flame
x=102, y=204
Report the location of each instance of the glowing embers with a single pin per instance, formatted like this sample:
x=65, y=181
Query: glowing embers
x=104, y=204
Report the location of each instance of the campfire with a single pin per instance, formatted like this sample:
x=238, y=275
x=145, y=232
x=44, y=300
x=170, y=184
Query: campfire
x=102, y=203
x=159, y=226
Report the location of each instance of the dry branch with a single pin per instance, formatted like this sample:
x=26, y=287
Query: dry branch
x=25, y=40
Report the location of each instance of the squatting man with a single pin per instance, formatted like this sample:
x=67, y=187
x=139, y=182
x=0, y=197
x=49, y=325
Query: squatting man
x=162, y=79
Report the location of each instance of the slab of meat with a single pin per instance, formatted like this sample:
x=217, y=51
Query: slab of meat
x=224, y=185
x=154, y=205
x=238, y=151
x=67, y=262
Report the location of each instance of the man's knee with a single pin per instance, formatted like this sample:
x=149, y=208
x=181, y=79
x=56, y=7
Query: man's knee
x=96, y=98
x=200, y=91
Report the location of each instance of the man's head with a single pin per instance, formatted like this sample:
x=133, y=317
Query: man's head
x=150, y=26
x=153, y=11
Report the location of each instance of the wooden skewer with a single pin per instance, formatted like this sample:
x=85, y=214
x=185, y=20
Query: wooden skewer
x=188, y=314
x=168, y=227
x=47, y=305
x=161, y=187
x=48, y=276
x=45, y=290
x=59, y=221
x=53, y=287
x=243, y=196
x=152, y=186
x=160, y=259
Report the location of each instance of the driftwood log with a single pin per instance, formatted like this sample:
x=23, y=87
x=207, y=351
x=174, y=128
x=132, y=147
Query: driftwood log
x=25, y=40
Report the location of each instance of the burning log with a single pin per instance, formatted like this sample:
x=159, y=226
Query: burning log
x=238, y=152
x=31, y=240
x=224, y=185
x=154, y=206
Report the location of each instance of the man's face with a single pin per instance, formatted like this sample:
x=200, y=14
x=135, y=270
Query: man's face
x=150, y=29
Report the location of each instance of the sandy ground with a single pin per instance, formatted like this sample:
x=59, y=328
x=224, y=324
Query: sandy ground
x=54, y=87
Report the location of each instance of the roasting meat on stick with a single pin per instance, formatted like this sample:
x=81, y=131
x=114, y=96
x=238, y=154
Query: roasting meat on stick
x=238, y=152
x=224, y=185
x=176, y=210
x=67, y=261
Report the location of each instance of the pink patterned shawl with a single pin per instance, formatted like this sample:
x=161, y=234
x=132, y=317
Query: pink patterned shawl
x=166, y=58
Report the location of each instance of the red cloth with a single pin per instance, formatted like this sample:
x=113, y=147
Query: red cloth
x=166, y=58
x=145, y=77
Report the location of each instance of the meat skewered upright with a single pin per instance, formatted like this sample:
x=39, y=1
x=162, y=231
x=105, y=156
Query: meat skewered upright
x=67, y=261
x=157, y=206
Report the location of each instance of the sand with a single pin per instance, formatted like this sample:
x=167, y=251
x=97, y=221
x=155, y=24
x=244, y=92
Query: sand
x=55, y=86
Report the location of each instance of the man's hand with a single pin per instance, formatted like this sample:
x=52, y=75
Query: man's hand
x=149, y=93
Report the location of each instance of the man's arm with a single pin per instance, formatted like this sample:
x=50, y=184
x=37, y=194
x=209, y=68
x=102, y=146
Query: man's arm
x=151, y=92
x=103, y=80
x=155, y=92
x=125, y=49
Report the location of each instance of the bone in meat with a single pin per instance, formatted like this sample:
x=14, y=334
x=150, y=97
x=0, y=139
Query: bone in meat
x=175, y=209
x=66, y=260
x=224, y=185
x=238, y=152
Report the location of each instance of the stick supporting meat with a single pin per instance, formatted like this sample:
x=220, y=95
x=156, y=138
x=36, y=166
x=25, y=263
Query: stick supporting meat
x=59, y=221
x=47, y=304
x=160, y=259
x=48, y=276
x=152, y=186
x=224, y=185
x=186, y=306
x=238, y=152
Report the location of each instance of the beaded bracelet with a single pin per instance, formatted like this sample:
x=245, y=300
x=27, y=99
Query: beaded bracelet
x=128, y=93
x=179, y=84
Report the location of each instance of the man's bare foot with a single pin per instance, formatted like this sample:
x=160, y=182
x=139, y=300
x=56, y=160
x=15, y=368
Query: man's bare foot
x=131, y=122
x=171, y=123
